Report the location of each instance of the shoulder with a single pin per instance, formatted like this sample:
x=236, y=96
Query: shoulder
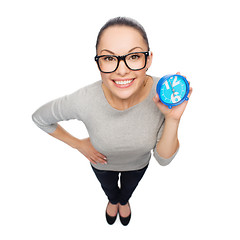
x=88, y=91
x=81, y=101
x=82, y=97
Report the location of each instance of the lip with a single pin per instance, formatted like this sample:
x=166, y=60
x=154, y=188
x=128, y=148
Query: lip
x=125, y=85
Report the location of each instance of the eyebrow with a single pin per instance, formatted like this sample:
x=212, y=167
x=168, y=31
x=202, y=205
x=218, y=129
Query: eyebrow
x=114, y=53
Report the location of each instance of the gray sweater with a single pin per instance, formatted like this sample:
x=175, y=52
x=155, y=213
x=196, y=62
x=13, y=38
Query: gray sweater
x=125, y=137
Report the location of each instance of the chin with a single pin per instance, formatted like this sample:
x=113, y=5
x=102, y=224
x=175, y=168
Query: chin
x=124, y=96
x=125, y=93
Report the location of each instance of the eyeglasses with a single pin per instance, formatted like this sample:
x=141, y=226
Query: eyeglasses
x=134, y=61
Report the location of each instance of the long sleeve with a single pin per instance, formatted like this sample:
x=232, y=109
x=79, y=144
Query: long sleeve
x=163, y=161
x=61, y=109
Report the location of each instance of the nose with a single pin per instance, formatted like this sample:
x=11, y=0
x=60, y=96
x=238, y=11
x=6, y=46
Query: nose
x=122, y=68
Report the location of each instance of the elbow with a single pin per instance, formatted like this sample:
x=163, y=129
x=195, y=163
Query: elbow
x=164, y=161
x=34, y=118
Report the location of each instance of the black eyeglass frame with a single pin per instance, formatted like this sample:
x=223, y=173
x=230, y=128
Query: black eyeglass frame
x=119, y=58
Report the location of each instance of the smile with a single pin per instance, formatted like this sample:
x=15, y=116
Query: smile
x=123, y=83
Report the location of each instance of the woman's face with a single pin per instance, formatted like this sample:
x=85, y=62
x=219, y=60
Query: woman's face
x=121, y=40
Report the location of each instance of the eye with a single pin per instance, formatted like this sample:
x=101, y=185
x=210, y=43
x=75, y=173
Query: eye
x=134, y=57
x=109, y=58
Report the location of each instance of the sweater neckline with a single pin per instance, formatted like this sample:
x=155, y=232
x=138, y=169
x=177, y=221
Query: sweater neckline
x=110, y=107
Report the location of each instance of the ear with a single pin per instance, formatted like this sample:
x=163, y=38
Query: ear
x=149, y=60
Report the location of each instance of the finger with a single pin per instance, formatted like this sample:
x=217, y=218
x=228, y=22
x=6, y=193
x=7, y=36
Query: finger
x=101, y=155
x=178, y=73
x=93, y=162
x=156, y=98
x=98, y=160
x=190, y=92
x=159, y=104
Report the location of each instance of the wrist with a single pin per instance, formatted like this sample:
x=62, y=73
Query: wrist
x=74, y=143
x=172, y=121
x=171, y=128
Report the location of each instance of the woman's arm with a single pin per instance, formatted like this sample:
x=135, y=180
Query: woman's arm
x=63, y=109
x=61, y=134
x=82, y=145
x=168, y=144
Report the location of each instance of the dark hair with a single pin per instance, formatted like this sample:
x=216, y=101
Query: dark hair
x=123, y=21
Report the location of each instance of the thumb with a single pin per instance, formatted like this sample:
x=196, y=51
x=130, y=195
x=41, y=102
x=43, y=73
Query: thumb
x=156, y=98
x=157, y=101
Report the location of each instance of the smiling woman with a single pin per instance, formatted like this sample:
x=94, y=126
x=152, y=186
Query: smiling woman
x=126, y=52
x=125, y=122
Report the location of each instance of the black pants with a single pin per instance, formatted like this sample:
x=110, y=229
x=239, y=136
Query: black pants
x=128, y=183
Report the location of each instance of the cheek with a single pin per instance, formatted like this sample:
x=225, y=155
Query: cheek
x=141, y=75
x=105, y=77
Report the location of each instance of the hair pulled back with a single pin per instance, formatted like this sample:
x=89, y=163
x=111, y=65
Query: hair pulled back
x=123, y=21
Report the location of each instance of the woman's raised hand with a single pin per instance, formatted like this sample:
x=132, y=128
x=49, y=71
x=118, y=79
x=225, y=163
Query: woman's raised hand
x=174, y=113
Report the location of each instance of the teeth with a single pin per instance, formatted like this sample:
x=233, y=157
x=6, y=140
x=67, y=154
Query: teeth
x=123, y=82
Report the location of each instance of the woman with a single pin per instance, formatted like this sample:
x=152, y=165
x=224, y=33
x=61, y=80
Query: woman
x=122, y=113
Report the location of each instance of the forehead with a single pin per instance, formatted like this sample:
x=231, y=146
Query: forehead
x=120, y=39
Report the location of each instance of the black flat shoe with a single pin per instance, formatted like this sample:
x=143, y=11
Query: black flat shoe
x=110, y=219
x=125, y=220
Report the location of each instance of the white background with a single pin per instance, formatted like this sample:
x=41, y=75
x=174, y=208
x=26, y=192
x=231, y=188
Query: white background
x=48, y=190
